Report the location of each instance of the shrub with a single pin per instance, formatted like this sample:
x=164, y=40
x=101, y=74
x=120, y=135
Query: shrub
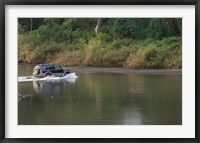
x=46, y=51
x=166, y=53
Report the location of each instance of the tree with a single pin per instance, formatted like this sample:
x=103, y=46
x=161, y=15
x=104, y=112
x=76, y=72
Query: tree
x=97, y=28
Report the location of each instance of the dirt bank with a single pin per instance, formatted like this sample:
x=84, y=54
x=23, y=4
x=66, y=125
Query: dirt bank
x=125, y=71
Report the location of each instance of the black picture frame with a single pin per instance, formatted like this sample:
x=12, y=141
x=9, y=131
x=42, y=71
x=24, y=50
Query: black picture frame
x=3, y=3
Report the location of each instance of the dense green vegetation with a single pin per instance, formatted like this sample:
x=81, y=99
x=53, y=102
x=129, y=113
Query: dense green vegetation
x=110, y=42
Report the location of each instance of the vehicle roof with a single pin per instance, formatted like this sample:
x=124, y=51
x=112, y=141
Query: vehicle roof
x=46, y=65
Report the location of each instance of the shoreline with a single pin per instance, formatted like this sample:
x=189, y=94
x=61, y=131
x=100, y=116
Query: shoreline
x=117, y=70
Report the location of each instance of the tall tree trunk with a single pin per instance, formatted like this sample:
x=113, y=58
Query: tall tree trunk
x=97, y=28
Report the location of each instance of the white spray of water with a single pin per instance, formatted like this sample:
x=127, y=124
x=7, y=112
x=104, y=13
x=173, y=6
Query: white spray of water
x=31, y=78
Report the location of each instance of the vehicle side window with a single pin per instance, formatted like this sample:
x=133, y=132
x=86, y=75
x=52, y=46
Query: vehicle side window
x=50, y=68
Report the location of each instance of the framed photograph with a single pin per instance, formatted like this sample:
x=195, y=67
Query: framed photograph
x=105, y=71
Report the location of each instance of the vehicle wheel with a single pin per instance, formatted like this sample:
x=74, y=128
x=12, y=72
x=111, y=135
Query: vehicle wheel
x=47, y=75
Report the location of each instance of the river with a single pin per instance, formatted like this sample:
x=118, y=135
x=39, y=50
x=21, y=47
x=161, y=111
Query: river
x=98, y=97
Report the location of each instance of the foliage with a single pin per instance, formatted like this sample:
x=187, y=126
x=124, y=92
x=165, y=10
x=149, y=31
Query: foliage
x=128, y=42
x=158, y=54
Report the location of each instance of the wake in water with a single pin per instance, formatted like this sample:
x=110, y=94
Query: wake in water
x=69, y=77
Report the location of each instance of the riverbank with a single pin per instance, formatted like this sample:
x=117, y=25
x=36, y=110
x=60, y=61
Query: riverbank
x=86, y=69
x=125, y=53
x=125, y=71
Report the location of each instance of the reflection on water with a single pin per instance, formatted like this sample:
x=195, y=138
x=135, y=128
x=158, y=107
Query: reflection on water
x=102, y=99
x=51, y=88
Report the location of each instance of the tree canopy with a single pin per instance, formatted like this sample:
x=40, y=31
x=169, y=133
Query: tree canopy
x=135, y=28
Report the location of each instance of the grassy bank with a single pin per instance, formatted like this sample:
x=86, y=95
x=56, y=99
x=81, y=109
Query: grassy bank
x=99, y=51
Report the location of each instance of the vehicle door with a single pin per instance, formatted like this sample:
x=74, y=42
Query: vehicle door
x=51, y=69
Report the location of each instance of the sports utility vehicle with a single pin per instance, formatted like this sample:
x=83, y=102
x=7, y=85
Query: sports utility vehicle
x=44, y=70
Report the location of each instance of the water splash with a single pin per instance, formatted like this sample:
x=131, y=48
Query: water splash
x=70, y=76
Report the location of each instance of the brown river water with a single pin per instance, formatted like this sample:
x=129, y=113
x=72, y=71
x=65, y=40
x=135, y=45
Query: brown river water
x=101, y=98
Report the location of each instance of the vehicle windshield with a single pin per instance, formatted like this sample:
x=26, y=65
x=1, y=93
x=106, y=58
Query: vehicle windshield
x=57, y=67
